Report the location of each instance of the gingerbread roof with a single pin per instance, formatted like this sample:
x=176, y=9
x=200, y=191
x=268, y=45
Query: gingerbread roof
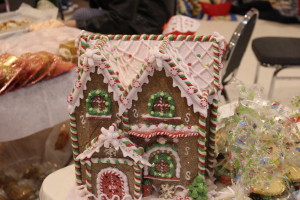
x=112, y=137
x=126, y=62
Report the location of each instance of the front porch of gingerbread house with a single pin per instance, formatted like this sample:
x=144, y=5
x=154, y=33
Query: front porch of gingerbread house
x=114, y=165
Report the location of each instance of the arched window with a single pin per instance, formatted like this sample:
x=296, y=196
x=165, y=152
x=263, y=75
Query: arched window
x=98, y=103
x=163, y=166
x=162, y=105
x=165, y=163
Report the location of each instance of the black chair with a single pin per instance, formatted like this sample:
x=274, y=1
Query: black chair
x=237, y=46
x=277, y=52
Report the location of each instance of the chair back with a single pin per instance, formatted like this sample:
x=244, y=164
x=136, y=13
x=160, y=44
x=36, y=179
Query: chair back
x=238, y=43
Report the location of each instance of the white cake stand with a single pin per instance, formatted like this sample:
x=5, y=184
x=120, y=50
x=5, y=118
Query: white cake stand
x=58, y=185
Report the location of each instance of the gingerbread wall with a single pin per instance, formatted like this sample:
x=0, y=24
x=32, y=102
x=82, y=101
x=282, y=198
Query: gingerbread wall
x=160, y=83
x=187, y=151
x=90, y=128
x=187, y=147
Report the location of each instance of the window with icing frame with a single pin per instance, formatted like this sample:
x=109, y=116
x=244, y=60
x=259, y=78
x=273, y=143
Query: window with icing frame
x=161, y=105
x=98, y=104
x=163, y=166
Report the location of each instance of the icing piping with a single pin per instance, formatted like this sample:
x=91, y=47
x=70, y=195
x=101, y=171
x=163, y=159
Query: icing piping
x=212, y=136
x=197, y=38
x=162, y=106
x=95, y=97
x=121, y=175
x=201, y=146
x=113, y=138
x=113, y=161
x=164, y=149
x=75, y=148
x=150, y=130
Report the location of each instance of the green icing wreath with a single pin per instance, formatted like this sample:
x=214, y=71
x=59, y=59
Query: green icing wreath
x=96, y=111
x=170, y=101
x=169, y=161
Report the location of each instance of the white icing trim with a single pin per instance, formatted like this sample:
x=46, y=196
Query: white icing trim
x=112, y=161
x=149, y=117
x=161, y=179
x=163, y=149
x=133, y=93
x=112, y=137
x=164, y=127
x=88, y=116
x=156, y=58
x=156, y=133
x=192, y=99
x=112, y=89
x=125, y=191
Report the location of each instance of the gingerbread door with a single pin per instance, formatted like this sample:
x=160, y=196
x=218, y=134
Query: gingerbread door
x=112, y=183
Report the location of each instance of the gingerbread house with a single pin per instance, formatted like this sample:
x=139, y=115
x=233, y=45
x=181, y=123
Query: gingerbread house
x=144, y=108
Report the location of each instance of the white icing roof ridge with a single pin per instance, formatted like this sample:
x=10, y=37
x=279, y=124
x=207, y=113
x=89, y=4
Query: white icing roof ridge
x=84, y=70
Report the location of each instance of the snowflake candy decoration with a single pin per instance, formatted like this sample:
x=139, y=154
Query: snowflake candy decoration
x=90, y=57
x=110, y=136
x=157, y=56
x=167, y=191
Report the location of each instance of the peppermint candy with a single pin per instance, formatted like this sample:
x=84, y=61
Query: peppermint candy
x=174, y=72
x=191, y=91
x=125, y=100
x=112, y=82
x=102, y=66
x=149, y=68
x=78, y=84
x=77, y=70
x=70, y=98
x=136, y=84
x=203, y=103
x=86, y=68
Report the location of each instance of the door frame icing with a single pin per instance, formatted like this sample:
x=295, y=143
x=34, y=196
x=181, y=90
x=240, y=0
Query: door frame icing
x=123, y=177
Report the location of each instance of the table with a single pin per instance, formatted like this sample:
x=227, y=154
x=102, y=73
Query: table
x=34, y=108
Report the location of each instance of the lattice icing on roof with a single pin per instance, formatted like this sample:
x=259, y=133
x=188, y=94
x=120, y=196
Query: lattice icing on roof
x=195, y=59
x=123, y=61
x=127, y=57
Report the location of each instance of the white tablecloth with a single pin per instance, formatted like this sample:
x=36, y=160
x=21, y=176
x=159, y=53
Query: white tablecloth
x=34, y=108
